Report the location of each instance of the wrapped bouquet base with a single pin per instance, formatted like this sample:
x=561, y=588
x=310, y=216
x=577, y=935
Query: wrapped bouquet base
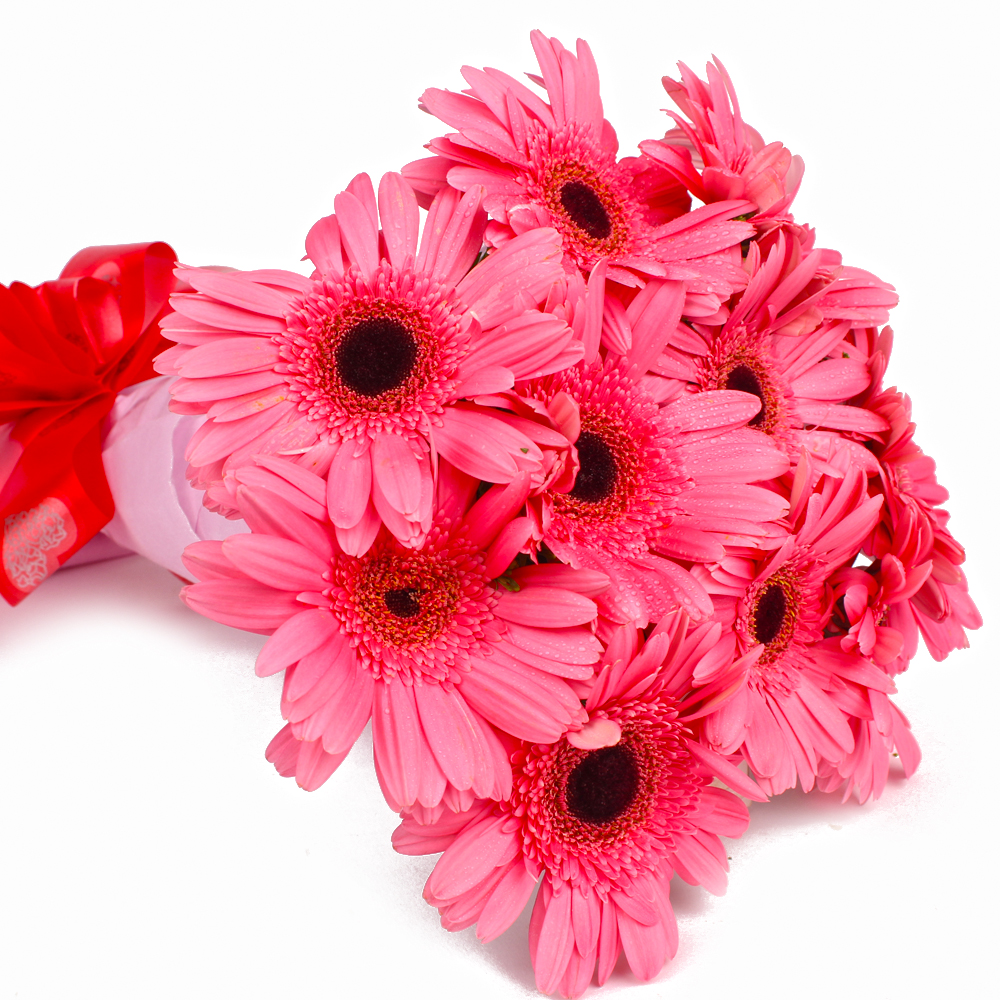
x=574, y=475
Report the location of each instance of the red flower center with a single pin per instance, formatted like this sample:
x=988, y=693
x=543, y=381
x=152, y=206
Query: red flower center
x=586, y=211
x=743, y=378
x=404, y=602
x=603, y=785
x=598, y=473
x=375, y=356
x=415, y=614
x=774, y=614
x=370, y=356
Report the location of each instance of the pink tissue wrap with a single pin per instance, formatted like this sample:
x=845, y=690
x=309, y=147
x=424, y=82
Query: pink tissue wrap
x=157, y=512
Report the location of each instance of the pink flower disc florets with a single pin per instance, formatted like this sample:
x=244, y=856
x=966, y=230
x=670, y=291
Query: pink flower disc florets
x=609, y=815
x=586, y=194
x=784, y=612
x=628, y=480
x=742, y=361
x=416, y=614
x=364, y=358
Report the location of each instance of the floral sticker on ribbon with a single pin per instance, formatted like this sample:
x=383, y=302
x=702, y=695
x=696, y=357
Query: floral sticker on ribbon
x=34, y=539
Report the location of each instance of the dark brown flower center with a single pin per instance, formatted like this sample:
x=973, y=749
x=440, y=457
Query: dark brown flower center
x=404, y=602
x=375, y=355
x=769, y=615
x=585, y=209
x=598, y=469
x=744, y=379
x=603, y=785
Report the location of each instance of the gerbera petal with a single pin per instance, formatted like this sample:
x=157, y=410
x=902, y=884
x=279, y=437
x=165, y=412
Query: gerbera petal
x=299, y=635
x=323, y=246
x=471, y=858
x=400, y=216
x=506, y=902
x=546, y=607
x=555, y=940
x=452, y=733
x=513, y=278
x=278, y=562
x=241, y=603
x=397, y=472
x=358, y=232
x=237, y=290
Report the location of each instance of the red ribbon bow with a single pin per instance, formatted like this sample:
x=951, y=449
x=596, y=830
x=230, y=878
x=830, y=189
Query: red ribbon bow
x=67, y=348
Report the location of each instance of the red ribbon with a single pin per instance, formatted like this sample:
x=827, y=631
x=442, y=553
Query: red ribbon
x=67, y=348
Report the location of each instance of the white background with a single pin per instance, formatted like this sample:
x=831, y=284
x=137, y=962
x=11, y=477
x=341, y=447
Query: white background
x=146, y=848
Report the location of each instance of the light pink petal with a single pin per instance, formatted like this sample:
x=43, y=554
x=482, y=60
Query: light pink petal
x=645, y=946
x=472, y=857
x=480, y=445
x=453, y=734
x=511, y=540
x=293, y=639
x=546, y=607
x=653, y=314
x=229, y=356
x=720, y=409
x=524, y=702
x=278, y=562
x=405, y=762
x=225, y=386
x=698, y=865
x=241, y=603
x=751, y=503
x=236, y=290
x=742, y=456
x=526, y=345
x=397, y=472
x=315, y=765
x=839, y=417
x=726, y=771
x=397, y=207
x=495, y=508
x=269, y=514
x=357, y=540
x=212, y=441
x=223, y=317
x=206, y=561
x=837, y=379
x=586, y=920
x=323, y=247
x=555, y=941
x=260, y=477
x=358, y=232
x=608, y=944
x=514, y=278
x=339, y=722
x=348, y=485
x=506, y=902
x=484, y=382
x=569, y=645
x=589, y=582
x=722, y=813
x=453, y=235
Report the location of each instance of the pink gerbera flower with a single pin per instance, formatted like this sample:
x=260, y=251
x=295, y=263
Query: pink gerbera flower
x=602, y=818
x=801, y=688
x=423, y=642
x=360, y=373
x=656, y=488
x=556, y=164
x=717, y=156
x=913, y=527
x=786, y=341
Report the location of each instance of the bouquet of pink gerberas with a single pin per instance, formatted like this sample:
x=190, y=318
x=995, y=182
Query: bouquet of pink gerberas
x=592, y=502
